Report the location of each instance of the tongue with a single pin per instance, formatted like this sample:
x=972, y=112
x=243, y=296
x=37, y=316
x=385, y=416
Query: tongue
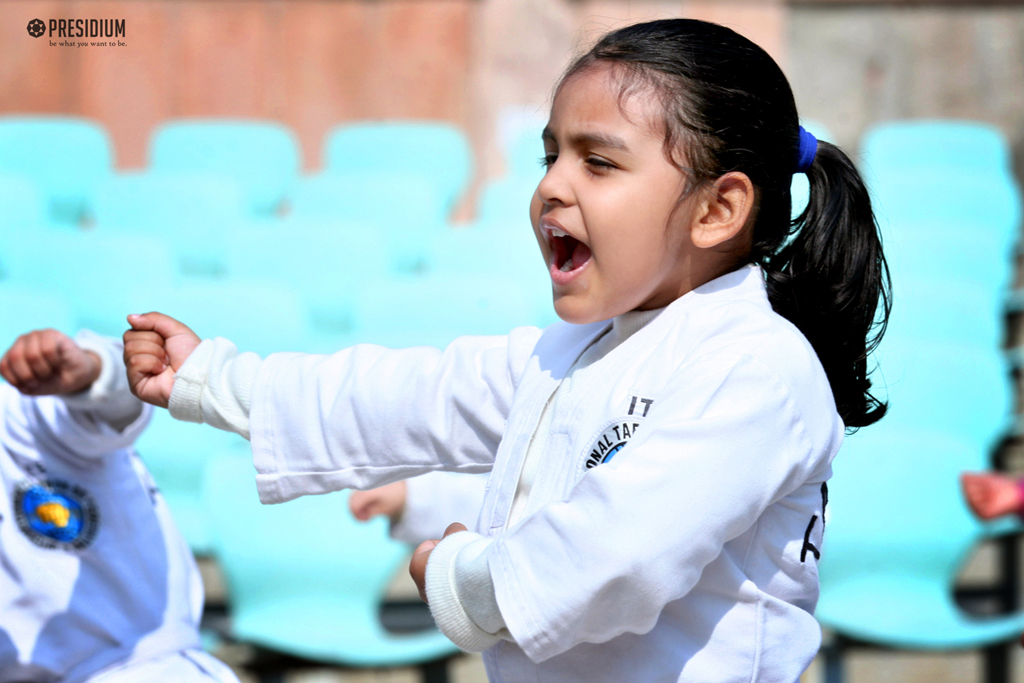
x=580, y=255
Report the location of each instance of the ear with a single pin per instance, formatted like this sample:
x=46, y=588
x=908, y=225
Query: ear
x=724, y=211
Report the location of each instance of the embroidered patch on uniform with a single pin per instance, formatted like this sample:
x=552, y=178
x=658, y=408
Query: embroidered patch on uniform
x=56, y=514
x=610, y=441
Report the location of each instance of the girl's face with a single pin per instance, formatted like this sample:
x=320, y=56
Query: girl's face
x=607, y=213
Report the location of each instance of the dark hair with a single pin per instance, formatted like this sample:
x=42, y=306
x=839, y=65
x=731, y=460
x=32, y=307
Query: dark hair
x=729, y=106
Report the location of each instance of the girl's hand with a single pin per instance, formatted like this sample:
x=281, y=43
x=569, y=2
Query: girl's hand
x=387, y=500
x=991, y=495
x=46, y=362
x=420, y=557
x=154, y=349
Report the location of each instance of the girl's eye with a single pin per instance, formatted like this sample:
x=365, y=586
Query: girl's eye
x=548, y=160
x=599, y=162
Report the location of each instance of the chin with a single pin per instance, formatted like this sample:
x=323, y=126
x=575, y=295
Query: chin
x=571, y=310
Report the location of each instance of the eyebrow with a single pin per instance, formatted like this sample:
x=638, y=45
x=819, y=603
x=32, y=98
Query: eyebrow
x=590, y=139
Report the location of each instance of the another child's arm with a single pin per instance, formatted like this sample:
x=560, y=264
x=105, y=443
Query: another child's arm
x=387, y=500
x=422, y=507
x=992, y=495
x=73, y=389
x=44, y=362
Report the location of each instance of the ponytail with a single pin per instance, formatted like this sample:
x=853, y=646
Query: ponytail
x=728, y=107
x=831, y=281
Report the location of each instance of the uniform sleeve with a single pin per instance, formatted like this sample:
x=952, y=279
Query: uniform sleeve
x=635, y=533
x=435, y=500
x=367, y=416
x=89, y=425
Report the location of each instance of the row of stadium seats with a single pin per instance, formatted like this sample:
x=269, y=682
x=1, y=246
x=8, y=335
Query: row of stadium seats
x=227, y=169
x=898, y=530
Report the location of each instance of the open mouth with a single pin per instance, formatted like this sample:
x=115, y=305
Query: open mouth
x=569, y=253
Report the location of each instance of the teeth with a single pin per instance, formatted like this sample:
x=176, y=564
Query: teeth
x=555, y=232
x=567, y=266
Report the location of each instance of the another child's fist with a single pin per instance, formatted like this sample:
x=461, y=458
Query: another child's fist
x=387, y=500
x=991, y=495
x=154, y=349
x=46, y=362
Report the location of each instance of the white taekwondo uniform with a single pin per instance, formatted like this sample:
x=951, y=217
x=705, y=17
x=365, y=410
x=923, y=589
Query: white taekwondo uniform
x=673, y=526
x=96, y=582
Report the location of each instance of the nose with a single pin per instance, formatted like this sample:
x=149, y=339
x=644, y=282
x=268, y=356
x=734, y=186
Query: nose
x=554, y=188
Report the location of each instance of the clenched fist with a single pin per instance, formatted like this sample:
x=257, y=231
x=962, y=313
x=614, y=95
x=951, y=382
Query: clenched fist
x=154, y=349
x=46, y=362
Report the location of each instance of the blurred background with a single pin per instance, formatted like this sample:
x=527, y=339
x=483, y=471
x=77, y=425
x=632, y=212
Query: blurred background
x=304, y=175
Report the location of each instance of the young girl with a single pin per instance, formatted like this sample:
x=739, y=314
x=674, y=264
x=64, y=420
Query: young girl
x=658, y=461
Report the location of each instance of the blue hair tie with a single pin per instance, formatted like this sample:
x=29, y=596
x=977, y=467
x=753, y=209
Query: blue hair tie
x=806, y=151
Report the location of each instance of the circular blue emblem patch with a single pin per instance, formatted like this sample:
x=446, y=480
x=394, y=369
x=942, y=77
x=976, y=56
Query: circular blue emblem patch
x=610, y=441
x=56, y=514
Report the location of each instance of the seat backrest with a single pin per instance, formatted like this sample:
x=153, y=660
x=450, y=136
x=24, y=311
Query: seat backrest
x=97, y=274
x=946, y=311
x=64, y=155
x=23, y=309
x=263, y=316
x=967, y=146
x=961, y=389
x=306, y=547
x=326, y=262
x=435, y=151
x=262, y=156
x=406, y=210
x=506, y=249
x=435, y=309
x=193, y=211
x=21, y=204
x=895, y=505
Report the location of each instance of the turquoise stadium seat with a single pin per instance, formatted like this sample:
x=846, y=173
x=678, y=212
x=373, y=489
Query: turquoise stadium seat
x=967, y=146
x=23, y=309
x=951, y=200
x=263, y=316
x=435, y=309
x=193, y=211
x=498, y=249
x=507, y=200
x=434, y=151
x=318, y=593
x=96, y=274
x=325, y=261
x=898, y=533
x=404, y=209
x=959, y=388
x=21, y=204
x=261, y=156
x=945, y=311
x=65, y=156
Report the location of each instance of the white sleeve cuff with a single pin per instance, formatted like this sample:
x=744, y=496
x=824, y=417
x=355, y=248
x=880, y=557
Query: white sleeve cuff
x=189, y=381
x=443, y=595
x=214, y=386
x=108, y=397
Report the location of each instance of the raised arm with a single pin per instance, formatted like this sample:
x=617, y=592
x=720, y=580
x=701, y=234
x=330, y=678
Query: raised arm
x=367, y=415
x=72, y=393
